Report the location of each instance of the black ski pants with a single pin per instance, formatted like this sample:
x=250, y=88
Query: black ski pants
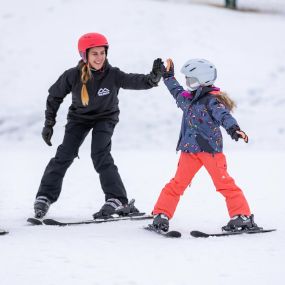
x=75, y=133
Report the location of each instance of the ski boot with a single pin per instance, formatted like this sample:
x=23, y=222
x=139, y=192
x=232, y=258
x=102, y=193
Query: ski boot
x=161, y=222
x=41, y=206
x=127, y=209
x=114, y=206
x=241, y=223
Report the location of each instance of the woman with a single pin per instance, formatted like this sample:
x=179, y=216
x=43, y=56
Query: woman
x=94, y=85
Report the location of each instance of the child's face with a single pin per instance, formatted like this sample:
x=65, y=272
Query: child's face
x=192, y=83
x=96, y=57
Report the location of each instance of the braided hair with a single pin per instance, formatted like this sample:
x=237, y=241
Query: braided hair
x=85, y=76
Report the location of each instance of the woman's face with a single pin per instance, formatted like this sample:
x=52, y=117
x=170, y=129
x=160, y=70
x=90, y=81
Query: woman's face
x=96, y=57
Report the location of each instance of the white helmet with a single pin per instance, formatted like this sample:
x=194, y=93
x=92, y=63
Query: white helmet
x=199, y=72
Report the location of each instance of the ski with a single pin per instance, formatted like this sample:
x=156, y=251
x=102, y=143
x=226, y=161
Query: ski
x=198, y=234
x=133, y=217
x=169, y=234
x=3, y=232
x=35, y=221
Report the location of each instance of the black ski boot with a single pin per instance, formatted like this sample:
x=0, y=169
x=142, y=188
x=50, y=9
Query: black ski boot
x=161, y=222
x=240, y=223
x=127, y=209
x=41, y=206
x=114, y=206
x=108, y=209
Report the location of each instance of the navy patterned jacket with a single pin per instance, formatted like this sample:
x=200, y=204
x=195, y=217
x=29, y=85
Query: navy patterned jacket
x=203, y=114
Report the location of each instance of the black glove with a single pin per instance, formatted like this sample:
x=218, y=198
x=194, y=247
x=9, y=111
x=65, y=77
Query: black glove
x=156, y=72
x=48, y=131
x=232, y=131
x=168, y=71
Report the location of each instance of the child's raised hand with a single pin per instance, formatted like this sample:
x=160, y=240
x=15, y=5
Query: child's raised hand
x=169, y=70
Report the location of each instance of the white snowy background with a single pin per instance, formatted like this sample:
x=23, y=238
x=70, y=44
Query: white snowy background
x=39, y=41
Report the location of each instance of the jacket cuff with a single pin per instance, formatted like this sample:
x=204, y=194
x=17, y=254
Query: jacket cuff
x=233, y=129
x=49, y=122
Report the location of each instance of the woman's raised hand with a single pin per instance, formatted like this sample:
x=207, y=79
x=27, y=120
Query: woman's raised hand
x=156, y=72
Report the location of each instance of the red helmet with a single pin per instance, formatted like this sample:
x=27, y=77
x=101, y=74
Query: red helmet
x=91, y=40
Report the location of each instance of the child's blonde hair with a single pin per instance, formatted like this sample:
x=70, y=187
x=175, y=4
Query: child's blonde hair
x=224, y=98
x=85, y=76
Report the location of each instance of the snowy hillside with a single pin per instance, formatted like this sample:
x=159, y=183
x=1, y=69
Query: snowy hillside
x=39, y=41
x=247, y=48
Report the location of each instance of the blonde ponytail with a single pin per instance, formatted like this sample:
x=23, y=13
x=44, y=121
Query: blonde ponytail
x=85, y=76
x=226, y=100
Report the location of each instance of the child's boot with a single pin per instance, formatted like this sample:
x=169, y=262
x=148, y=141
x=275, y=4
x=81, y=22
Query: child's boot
x=240, y=222
x=161, y=222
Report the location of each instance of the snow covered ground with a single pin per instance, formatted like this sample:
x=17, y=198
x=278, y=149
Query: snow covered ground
x=39, y=41
x=122, y=252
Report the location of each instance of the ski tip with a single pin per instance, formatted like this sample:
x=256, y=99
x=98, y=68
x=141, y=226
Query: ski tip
x=198, y=234
x=34, y=221
x=2, y=232
x=51, y=222
x=173, y=234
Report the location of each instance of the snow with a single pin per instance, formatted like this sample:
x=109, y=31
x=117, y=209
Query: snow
x=38, y=42
x=122, y=252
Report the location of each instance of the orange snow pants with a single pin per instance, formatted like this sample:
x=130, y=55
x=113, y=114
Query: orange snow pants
x=188, y=166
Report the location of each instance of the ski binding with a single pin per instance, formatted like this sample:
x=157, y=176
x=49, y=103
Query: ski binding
x=169, y=234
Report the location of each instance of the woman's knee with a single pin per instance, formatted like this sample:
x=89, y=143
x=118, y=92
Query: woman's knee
x=102, y=161
x=64, y=153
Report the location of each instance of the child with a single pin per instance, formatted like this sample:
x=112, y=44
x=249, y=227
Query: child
x=94, y=85
x=205, y=109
